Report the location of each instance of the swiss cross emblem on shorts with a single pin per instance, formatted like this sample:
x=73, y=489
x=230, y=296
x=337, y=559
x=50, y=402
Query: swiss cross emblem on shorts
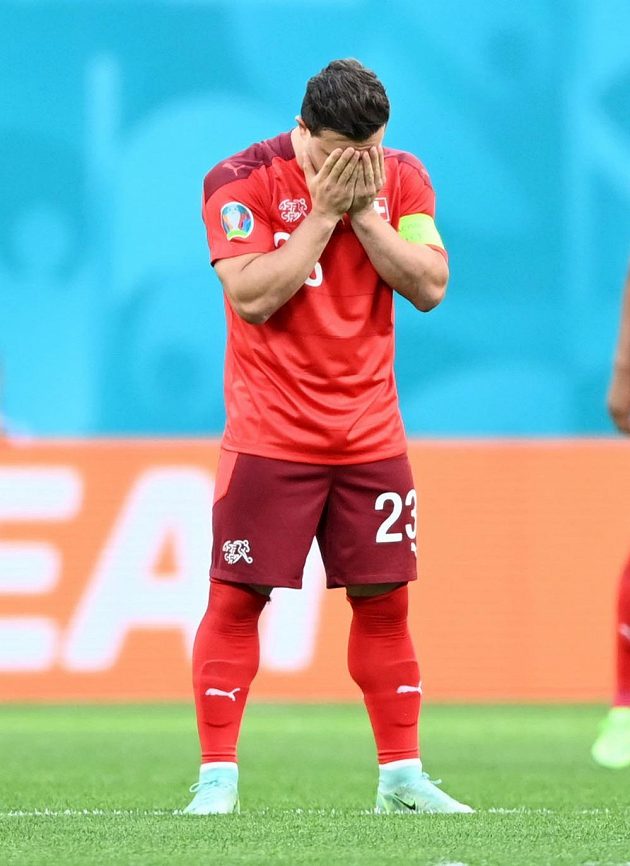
x=292, y=209
x=235, y=550
x=381, y=207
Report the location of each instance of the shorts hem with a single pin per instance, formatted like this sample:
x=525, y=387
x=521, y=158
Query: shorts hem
x=236, y=577
x=334, y=581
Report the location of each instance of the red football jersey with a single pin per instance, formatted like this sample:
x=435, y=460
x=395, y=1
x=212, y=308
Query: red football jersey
x=315, y=383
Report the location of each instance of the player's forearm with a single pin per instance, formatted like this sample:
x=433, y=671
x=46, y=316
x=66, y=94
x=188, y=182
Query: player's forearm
x=415, y=271
x=270, y=280
x=622, y=354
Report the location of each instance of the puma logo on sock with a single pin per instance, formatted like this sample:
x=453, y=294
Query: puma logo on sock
x=402, y=690
x=219, y=693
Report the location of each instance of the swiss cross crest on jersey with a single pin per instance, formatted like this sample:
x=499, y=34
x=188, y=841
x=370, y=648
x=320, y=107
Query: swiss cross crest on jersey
x=292, y=209
x=381, y=207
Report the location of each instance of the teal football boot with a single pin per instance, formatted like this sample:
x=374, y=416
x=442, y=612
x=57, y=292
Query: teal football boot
x=216, y=792
x=410, y=791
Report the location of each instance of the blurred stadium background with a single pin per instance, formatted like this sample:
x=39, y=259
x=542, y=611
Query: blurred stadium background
x=111, y=334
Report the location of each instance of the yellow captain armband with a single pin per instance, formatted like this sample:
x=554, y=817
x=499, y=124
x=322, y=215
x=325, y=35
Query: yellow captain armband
x=419, y=228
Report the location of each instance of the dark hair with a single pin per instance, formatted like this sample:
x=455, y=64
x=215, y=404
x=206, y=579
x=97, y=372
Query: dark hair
x=347, y=98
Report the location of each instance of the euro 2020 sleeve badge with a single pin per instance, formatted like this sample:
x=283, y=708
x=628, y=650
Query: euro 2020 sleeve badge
x=237, y=220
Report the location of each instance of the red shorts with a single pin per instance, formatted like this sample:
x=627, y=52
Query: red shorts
x=267, y=512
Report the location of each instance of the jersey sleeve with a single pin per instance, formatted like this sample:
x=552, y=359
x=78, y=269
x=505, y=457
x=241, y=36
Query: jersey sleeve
x=416, y=223
x=236, y=220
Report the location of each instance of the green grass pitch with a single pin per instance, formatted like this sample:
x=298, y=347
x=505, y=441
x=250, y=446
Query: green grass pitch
x=101, y=785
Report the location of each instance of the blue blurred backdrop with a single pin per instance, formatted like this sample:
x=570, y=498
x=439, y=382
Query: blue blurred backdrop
x=111, y=319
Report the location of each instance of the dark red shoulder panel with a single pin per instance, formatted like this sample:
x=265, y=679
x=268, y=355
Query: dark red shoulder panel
x=241, y=165
x=409, y=159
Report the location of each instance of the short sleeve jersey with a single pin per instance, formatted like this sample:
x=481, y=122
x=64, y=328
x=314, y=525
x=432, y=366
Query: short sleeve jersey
x=315, y=383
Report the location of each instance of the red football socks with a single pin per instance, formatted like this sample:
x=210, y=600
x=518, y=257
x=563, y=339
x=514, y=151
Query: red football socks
x=382, y=661
x=225, y=661
x=622, y=697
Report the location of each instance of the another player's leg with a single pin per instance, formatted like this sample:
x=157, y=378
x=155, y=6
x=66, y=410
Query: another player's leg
x=225, y=661
x=382, y=661
x=612, y=747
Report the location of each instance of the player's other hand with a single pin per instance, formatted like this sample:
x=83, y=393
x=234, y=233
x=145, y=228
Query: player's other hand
x=332, y=187
x=370, y=180
x=619, y=399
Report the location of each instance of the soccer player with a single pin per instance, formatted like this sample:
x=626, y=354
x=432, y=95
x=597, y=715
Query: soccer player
x=612, y=747
x=311, y=233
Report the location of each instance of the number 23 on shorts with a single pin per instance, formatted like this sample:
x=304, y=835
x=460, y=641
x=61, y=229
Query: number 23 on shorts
x=385, y=534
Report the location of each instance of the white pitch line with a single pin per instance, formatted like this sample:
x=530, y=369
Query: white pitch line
x=161, y=813
x=81, y=813
x=156, y=813
x=522, y=810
